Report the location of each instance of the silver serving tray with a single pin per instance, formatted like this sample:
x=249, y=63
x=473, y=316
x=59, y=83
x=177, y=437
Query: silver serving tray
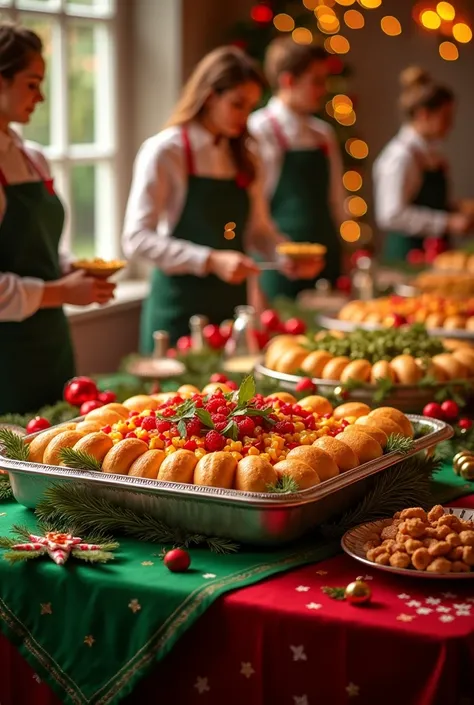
x=349, y=327
x=248, y=517
x=405, y=397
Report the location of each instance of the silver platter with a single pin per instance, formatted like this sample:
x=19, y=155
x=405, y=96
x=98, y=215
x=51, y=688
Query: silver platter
x=248, y=517
x=406, y=398
x=407, y=291
x=354, y=540
x=349, y=327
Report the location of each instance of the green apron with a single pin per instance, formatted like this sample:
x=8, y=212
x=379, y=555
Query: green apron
x=301, y=208
x=173, y=299
x=36, y=356
x=432, y=194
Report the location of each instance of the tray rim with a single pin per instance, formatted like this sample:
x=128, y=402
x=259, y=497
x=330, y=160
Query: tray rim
x=348, y=327
x=440, y=431
x=407, y=572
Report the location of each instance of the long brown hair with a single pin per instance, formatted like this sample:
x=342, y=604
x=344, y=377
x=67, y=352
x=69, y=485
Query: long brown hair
x=221, y=70
x=18, y=45
x=420, y=91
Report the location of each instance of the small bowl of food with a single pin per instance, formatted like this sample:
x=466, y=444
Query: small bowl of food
x=97, y=267
x=301, y=250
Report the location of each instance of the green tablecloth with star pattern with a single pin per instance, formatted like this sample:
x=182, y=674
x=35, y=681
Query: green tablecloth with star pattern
x=92, y=631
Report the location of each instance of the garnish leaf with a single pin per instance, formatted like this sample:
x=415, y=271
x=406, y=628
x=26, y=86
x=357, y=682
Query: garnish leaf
x=247, y=391
x=205, y=417
x=231, y=430
x=182, y=428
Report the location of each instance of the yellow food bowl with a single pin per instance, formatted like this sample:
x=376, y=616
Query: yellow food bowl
x=301, y=250
x=98, y=267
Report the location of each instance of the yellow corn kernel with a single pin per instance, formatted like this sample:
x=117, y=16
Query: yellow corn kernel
x=156, y=444
x=175, y=441
x=237, y=446
x=299, y=426
x=273, y=453
x=265, y=456
x=267, y=442
x=254, y=451
x=236, y=455
x=141, y=433
x=122, y=427
x=170, y=449
x=116, y=436
x=351, y=419
x=200, y=453
x=146, y=412
x=116, y=440
x=227, y=449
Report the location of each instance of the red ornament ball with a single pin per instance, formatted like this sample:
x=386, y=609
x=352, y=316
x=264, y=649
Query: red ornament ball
x=262, y=14
x=90, y=406
x=213, y=336
x=79, y=390
x=295, y=326
x=306, y=385
x=450, y=410
x=184, y=343
x=270, y=320
x=465, y=424
x=37, y=424
x=177, y=560
x=433, y=411
x=344, y=284
x=107, y=397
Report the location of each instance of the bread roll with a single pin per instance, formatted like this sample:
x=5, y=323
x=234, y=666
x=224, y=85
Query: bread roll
x=89, y=426
x=106, y=417
x=340, y=452
x=365, y=447
x=321, y=462
x=466, y=357
x=406, y=370
x=386, y=424
x=395, y=415
x=376, y=433
x=304, y=475
x=96, y=444
x=357, y=369
x=450, y=365
x=66, y=439
x=285, y=397
x=291, y=360
x=254, y=474
x=318, y=405
x=381, y=370
x=187, y=390
x=41, y=441
x=140, y=402
x=334, y=368
x=212, y=388
x=121, y=456
x=216, y=470
x=315, y=363
x=351, y=409
x=118, y=408
x=178, y=467
x=148, y=464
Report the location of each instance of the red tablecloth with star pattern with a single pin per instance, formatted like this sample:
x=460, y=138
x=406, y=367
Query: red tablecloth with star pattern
x=285, y=641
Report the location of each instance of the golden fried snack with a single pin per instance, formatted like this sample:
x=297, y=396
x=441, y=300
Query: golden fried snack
x=301, y=472
x=439, y=548
x=421, y=559
x=148, y=464
x=435, y=513
x=216, y=470
x=41, y=441
x=320, y=461
x=460, y=567
x=453, y=540
x=468, y=555
x=374, y=552
x=412, y=545
x=96, y=444
x=343, y=456
x=450, y=521
x=414, y=513
x=178, y=467
x=383, y=559
x=66, y=439
x=413, y=527
x=441, y=532
x=467, y=538
x=399, y=560
x=121, y=456
x=455, y=553
x=254, y=474
x=390, y=531
x=439, y=565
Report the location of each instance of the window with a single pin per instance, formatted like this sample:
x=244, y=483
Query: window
x=77, y=122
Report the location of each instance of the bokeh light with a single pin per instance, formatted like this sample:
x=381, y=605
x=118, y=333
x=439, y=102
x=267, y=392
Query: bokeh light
x=370, y=4
x=311, y=4
x=324, y=10
x=430, y=19
x=356, y=206
x=352, y=180
x=327, y=46
x=261, y=14
x=283, y=22
x=350, y=231
x=345, y=3
x=330, y=108
x=391, y=26
x=342, y=104
x=448, y=51
x=462, y=33
x=339, y=44
x=446, y=11
x=302, y=35
x=346, y=120
x=358, y=149
x=354, y=19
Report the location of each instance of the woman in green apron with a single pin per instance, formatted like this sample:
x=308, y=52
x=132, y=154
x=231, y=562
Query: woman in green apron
x=190, y=180
x=36, y=356
x=303, y=165
x=411, y=177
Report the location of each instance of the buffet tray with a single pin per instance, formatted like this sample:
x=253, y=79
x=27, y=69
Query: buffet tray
x=405, y=397
x=349, y=327
x=248, y=517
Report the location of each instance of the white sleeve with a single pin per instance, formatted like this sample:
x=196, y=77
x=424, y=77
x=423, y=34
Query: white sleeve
x=393, y=210
x=337, y=191
x=20, y=297
x=262, y=234
x=152, y=186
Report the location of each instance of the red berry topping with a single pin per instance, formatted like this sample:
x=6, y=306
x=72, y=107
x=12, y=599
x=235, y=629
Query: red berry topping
x=190, y=445
x=132, y=413
x=232, y=385
x=193, y=427
x=149, y=423
x=106, y=429
x=168, y=412
x=218, y=378
x=284, y=427
x=295, y=326
x=306, y=385
x=213, y=405
x=223, y=410
x=162, y=426
x=214, y=441
x=310, y=423
x=327, y=416
x=246, y=426
x=138, y=420
x=131, y=434
x=344, y=423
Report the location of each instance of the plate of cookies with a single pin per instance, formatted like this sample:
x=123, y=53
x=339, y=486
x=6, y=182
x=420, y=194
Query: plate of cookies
x=301, y=250
x=99, y=268
x=438, y=543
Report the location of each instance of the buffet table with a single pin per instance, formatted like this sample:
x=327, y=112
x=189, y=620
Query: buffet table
x=282, y=640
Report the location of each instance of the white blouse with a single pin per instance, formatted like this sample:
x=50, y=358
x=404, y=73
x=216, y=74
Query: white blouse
x=158, y=195
x=302, y=132
x=20, y=297
x=398, y=175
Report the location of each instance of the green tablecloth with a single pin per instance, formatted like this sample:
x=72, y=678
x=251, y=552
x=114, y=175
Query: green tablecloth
x=91, y=632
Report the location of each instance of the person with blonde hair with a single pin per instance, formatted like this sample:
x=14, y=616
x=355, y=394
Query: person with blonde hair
x=411, y=176
x=36, y=354
x=189, y=181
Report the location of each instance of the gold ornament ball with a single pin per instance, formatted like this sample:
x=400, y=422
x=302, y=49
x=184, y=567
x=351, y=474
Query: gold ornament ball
x=467, y=469
x=460, y=458
x=358, y=593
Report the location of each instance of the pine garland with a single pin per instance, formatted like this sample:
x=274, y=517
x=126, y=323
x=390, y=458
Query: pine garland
x=13, y=446
x=6, y=492
x=79, y=460
x=284, y=485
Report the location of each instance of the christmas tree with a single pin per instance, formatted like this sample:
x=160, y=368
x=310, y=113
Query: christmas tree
x=312, y=21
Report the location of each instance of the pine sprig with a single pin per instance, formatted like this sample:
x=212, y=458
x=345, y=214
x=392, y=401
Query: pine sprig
x=79, y=460
x=336, y=593
x=6, y=491
x=284, y=485
x=102, y=556
x=20, y=556
x=67, y=507
x=14, y=446
x=399, y=444
x=406, y=484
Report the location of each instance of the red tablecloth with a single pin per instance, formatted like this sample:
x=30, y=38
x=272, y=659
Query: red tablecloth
x=284, y=641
